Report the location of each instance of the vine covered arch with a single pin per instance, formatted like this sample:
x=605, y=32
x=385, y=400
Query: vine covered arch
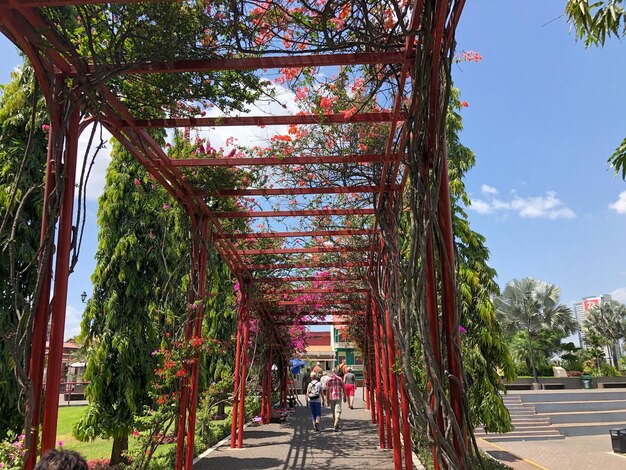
x=350, y=195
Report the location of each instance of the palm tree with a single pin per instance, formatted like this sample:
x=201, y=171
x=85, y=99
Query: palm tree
x=533, y=305
x=607, y=321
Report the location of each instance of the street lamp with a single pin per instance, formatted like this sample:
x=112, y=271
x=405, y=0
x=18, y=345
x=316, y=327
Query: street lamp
x=83, y=296
x=527, y=296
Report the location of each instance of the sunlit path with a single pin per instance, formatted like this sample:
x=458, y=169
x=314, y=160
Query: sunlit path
x=294, y=445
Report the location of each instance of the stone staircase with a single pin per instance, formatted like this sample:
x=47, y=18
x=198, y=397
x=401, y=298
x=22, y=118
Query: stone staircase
x=555, y=414
x=529, y=426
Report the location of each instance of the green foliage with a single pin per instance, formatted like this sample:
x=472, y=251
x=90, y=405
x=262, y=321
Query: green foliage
x=139, y=290
x=23, y=145
x=484, y=347
x=606, y=323
x=594, y=21
x=12, y=451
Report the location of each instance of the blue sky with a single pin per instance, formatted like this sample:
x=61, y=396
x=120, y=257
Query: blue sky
x=545, y=113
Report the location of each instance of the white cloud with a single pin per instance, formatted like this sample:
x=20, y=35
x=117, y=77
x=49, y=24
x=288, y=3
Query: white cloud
x=619, y=294
x=548, y=206
x=485, y=188
x=619, y=206
x=73, y=317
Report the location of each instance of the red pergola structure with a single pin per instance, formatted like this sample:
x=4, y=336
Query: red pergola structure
x=351, y=281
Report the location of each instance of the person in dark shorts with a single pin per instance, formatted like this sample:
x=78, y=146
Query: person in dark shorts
x=314, y=400
x=349, y=381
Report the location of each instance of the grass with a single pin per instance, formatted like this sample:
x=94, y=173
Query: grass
x=98, y=448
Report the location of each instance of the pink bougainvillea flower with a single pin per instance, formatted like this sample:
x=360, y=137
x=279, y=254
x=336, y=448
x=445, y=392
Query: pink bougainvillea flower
x=462, y=329
x=60, y=443
x=45, y=127
x=166, y=207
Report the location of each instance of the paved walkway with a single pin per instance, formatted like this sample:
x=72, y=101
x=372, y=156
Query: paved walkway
x=294, y=445
x=571, y=453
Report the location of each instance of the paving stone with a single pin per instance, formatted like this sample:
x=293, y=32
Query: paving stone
x=295, y=445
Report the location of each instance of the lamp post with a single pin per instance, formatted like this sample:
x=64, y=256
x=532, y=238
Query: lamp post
x=527, y=297
x=83, y=296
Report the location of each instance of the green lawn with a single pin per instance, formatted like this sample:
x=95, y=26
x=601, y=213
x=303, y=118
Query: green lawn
x=98, y=448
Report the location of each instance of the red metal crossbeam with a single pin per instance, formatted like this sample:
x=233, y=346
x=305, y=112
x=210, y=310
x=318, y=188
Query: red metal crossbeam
x=281, y=280
x=293, y=191
x=335, y=118
x=60, y=3
x=252, y=63
x=316, y=323
x=340, y=313
x=312, y=233
x=291, y=213
x=315, y=302
x=339, y=290
x=337, y=264
x=313, y=249
x=304, y=160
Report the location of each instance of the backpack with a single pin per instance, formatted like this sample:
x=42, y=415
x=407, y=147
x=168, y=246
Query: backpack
x=314, y=391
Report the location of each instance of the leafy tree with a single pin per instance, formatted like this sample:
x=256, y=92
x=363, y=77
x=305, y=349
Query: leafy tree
x=23, y=144
x=141, y=264
x=532, y=305
x=594, y=22
x=607, y=322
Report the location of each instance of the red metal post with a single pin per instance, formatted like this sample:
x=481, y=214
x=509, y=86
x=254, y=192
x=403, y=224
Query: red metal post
x=40, y=326
x=380, y=377
x=237, y=376
x=199, y=311
x=406, y=429
x=393, y=391
x=244, y=366
x=59, y=301
x=450, y=313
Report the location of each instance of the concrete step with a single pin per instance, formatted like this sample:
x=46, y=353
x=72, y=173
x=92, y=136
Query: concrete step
x=597, y=405
x=588, y=429
x=572, y=395
x=532, y=435
x=584, y=417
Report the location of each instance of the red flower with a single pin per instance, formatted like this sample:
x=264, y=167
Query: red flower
x=180, y=373
x=464, y=104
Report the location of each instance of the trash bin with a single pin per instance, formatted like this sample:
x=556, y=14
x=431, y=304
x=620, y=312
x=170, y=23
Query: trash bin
x=618, y=440
x=587, y=383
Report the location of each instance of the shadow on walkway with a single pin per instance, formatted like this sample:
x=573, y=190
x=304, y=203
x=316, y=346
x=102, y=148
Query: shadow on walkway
x=294, y=445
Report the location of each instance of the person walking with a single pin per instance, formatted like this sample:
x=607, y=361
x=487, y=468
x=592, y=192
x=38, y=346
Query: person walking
x=314, y=400
x=349, y=380
x=336, y=391
x=323, y=383
x=306, y=379
x=342, y=369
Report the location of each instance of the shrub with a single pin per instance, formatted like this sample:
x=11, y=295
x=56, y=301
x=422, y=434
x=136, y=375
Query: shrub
x=574, y=373
x=12, y=452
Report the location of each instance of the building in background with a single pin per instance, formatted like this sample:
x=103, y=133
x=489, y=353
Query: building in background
x=319, y=349
x=343, y=348
x=581, y=309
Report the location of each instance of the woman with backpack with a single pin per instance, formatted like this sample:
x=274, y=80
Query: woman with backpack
x=314, y=400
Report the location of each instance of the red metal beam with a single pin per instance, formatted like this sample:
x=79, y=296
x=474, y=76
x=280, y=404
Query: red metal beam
x=312, y=233
x=340, y=290
x=314, y=249
x=252, y=63
x=314, y=302
x=325, y=313
x=225, y=121
x=337, y=264
x=61, y=3
x=303, y=160
x=291, y=213
x=293, y=191
x=281, y=280
x=318, y=323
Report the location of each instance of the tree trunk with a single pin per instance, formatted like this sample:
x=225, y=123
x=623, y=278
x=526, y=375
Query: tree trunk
x=120, y=445
x=221, y=410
